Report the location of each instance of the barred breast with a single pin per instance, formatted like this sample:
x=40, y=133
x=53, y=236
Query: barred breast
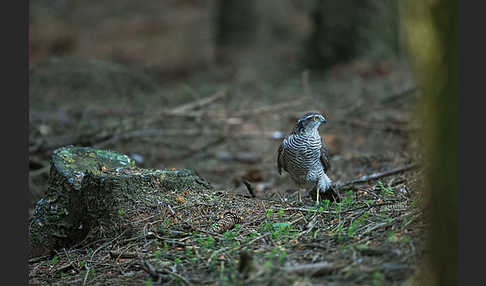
x=302, y=156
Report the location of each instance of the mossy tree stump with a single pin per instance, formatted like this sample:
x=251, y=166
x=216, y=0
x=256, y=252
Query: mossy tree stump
x=101, y=193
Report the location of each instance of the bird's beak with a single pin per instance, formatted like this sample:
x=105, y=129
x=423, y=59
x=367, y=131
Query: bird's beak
x=323, y=120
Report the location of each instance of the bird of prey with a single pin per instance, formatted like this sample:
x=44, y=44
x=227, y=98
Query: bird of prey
x=303, y=154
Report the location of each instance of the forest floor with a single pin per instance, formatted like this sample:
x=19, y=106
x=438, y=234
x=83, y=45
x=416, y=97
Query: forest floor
x=227, y=124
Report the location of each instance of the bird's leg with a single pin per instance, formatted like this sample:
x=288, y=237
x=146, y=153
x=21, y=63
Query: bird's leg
x=317, y=196
x=300, y=195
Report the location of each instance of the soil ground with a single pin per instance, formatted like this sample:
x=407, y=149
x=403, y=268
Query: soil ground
x=370, y=129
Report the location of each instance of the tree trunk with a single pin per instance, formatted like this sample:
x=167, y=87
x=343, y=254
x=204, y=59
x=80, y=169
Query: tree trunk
x=236, y=25
x=348, y=29
x=430, y=30
x=100, y=192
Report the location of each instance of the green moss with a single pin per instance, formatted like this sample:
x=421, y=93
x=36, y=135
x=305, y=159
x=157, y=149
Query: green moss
x=89, y=189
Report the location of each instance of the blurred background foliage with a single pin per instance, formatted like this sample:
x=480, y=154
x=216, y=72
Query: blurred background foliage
x=430, y=29
x=182, y=35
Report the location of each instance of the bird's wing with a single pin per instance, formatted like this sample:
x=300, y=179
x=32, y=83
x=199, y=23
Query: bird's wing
x=280, y=161
x=325, y=156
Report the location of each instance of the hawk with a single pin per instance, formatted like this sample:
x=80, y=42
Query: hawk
x=303, y=154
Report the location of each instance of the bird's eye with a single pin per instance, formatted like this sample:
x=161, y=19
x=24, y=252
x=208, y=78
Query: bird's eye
x=314, y=118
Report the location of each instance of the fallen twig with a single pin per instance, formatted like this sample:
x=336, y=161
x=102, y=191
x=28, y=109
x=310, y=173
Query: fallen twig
x=269, y=108
x=236, y=248
x=119, y=254
x=105, y=245
x=150, y=269
x=65, y=267
x=156, y=273
x=198, y=103
x=37, y=259
x=384, y=224
x=316, y=269
x=402, y=94
x=378, y=175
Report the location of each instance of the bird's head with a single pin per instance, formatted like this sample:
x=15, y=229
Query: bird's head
x=310, y=122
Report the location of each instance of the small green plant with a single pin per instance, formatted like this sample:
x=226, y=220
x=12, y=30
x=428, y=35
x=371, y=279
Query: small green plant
x=347, y=200
x=157, y=254
x=266, y=226
x=268, y=264
x=363, y=218
x=207, y=243
x=352, y=228
x=178, y=261
x=413, y=203
x=280, y=230
x=345, y=203
x=269, y=213
x=148, y=282
x=295, y=233
x=404, y=238
x=210, y=241
x=391, y=236
x=281, y=213
x=340, y=232
x=274, y=252
x=121, y=212
x=309, y=211
x=282, y=256
x=91, y=273
x=326, y=204
x=229, y=235
x=189, y=253
x=386, y=191
x=54, y=260
x=350, y=195
x=339, y=207
x=378, y=278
